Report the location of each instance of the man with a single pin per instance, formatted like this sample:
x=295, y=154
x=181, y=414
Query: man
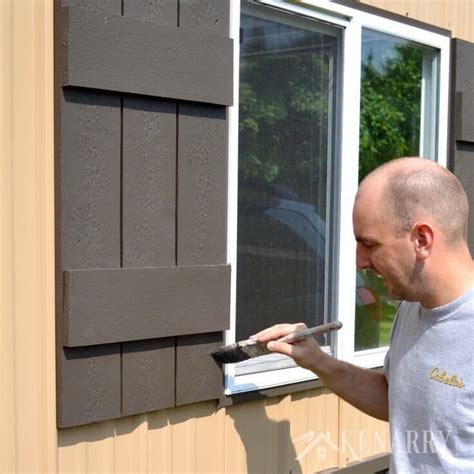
x=410, y=220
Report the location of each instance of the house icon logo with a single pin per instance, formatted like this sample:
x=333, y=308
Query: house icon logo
x=321, y=442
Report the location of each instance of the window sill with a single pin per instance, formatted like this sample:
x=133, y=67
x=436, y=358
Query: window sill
x=252, y=396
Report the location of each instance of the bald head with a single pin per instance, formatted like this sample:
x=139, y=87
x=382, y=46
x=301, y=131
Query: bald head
x=409, y=189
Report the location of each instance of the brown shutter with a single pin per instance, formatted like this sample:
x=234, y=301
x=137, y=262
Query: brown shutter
x=461, y=144
x=141, y=194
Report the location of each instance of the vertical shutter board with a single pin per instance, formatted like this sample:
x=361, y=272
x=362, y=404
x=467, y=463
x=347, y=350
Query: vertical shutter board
x=202, y=224
x=202, y=185
x=162, y=12
x=88, y=230
x=464, y=116
x=464, y=78
x=89, y=386
x=464, y=170
x=149, y=221
x=90, y=180
x=148, y=370
x=149, y=182
x=205, y=14
x=462, y=123
x=198, y=376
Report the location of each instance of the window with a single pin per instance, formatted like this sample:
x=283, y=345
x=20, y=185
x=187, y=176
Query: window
x=286, y=152
x=319, y=106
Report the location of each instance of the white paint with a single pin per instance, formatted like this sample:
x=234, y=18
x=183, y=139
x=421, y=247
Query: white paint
x=233, y=182
x=262, y=380
x=445, y=52
x=272, y=378
x=370, y=358
x=323, y=14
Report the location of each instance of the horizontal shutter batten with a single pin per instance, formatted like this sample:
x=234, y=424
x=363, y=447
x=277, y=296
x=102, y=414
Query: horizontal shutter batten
x=116, y=305
x=99, y=53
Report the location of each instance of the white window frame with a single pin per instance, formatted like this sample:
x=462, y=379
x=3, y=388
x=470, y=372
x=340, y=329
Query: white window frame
x=352, y=21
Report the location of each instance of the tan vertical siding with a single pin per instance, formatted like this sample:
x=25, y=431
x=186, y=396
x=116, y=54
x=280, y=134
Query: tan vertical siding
x=269, y=436
x=361, y=435
x=7, y=347
x=454, y=15
x=27, y=434
x=159, y=443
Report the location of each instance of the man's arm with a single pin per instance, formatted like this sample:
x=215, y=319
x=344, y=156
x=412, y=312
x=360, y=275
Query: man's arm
x=362, y=388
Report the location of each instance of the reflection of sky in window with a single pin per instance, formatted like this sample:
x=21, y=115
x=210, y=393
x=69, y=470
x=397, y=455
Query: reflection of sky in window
x=265, y=35
x=382, y=48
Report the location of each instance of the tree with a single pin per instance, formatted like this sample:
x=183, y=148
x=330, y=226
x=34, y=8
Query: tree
x=284, y=114
x=390, y=108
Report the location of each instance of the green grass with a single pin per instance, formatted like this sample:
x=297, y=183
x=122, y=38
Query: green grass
x=389, y=308
x=389, y=311
x=370, y=334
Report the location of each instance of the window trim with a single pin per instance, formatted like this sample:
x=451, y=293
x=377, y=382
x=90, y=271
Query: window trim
x=352, y=20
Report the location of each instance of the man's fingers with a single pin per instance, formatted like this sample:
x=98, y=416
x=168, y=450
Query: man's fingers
x=277, y=331
x=280, y=347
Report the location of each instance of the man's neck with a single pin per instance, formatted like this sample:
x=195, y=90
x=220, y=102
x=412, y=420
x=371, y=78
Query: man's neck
x=455, y=279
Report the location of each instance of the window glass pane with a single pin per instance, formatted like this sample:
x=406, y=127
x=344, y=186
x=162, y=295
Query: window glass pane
x=398, y=118
x=287, y=81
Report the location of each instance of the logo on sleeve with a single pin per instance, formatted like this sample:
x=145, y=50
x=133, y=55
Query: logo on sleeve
x=441, y=376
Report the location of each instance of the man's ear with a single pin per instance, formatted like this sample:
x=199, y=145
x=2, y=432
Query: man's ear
x=423, y=237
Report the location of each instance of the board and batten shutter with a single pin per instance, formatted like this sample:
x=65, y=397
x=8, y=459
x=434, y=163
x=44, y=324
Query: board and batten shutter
x=461, y=143
x=143, y=288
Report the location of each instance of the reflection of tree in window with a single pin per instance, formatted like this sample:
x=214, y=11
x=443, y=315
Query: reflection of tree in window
x=390, y=107
x=285, y=79
x=285, y=104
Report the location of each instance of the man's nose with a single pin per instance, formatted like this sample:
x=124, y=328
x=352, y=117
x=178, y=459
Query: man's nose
x=362, y=257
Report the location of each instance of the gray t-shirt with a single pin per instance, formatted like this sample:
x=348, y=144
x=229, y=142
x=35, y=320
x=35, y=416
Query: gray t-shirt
x=429, y=369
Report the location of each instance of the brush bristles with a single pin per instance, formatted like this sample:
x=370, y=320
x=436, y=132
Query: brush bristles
x=244, y=350
x=230, y=354
x=239, y=352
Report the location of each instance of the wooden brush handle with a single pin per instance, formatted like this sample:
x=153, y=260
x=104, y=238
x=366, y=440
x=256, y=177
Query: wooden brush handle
x=310, y=332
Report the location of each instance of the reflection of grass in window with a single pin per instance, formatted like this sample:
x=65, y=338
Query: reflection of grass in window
x=389, y=308
x=366, y=330
x=389, y=311
x=373, y=324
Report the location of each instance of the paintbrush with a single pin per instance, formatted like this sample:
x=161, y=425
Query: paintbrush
x=243, y=350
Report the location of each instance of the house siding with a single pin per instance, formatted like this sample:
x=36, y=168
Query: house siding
x=455, y=16
x=27, y=361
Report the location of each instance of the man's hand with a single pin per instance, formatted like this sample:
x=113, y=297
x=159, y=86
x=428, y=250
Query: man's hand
x=365, y=389
x=306, y=353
